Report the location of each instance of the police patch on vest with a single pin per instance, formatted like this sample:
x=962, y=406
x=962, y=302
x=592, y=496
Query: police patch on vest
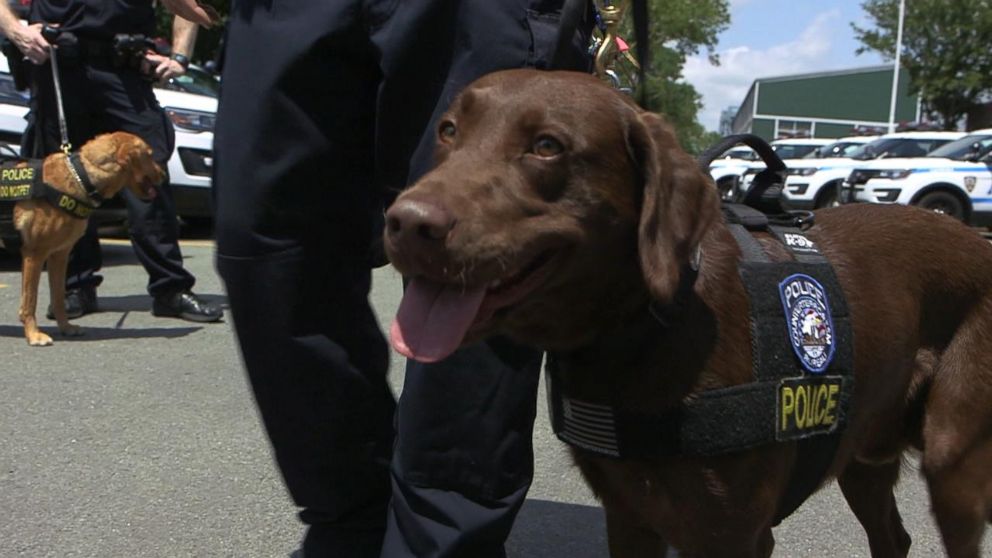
x=808, y=406
x=807, y=313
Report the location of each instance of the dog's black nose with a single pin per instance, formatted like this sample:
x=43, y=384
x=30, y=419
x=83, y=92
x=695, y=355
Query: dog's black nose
x=416, y=233
x=413, y=224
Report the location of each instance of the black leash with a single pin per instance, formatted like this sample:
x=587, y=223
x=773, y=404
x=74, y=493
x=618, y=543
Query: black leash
x=641, y=46
x=56, y=37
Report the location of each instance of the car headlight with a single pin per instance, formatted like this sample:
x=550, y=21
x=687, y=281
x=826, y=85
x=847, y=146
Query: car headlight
x=895, y=174
x=194, y=120
x=807, y=171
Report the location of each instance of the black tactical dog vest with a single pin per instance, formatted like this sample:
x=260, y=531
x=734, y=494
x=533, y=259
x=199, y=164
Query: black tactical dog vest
x=802, y=352
x=22, y=180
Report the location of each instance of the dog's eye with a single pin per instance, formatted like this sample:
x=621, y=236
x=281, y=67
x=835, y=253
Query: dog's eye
x=547, y=146
x=446, y=131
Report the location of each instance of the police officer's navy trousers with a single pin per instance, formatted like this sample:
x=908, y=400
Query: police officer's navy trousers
x=327, y=110
x=99, y=99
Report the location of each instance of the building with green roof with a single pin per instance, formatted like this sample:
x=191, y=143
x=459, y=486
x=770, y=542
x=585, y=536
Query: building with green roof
x=826, y=104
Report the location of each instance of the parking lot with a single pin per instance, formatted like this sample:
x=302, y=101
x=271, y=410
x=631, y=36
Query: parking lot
x=141, y=439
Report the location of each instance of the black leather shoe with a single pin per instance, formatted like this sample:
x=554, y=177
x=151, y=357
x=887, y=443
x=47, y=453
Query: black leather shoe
x=187, y=306
x=78, y=302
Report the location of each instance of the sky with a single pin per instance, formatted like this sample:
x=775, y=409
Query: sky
x=768, y=38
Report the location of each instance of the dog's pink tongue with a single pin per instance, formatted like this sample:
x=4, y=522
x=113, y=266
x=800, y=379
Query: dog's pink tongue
x=432, y=319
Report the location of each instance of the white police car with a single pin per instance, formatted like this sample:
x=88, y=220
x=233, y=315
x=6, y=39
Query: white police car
x=726, y=170
x=954, y=179
x=814, y=183
x=730, y=175
x=193, y=115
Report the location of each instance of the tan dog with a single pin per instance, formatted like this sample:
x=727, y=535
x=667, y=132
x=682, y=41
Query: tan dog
x=559, y=212
x=112, y=162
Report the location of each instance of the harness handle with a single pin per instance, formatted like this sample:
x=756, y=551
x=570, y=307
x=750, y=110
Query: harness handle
x=766, y=187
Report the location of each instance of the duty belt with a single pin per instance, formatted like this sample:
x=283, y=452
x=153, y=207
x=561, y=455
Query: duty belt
x=802, y=358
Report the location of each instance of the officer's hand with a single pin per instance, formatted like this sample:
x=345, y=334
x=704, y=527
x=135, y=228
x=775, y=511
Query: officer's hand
x=193, y=10
x=163, y=68
x=30, y=42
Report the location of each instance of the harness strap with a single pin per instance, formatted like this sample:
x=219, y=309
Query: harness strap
x=20, y=181
x=75, y=207
x=716, y=422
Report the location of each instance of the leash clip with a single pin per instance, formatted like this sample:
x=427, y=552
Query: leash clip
x=611, y=49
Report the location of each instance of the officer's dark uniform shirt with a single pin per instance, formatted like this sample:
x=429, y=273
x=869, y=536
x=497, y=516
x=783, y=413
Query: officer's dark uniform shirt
x=96, y=19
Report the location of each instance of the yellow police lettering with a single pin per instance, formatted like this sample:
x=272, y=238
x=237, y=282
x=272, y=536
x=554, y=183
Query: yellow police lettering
x=788, y=405
x=833, y=390
x=67, y=203
x=17, y=191
x=800, y=416
x=820, y=406
x=16, y=175
x=808, y=406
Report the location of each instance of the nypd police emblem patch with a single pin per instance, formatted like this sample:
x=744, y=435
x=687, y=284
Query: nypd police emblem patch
x=807, y=313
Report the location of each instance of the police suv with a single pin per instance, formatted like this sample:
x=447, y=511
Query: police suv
x=728, y=173
x=955, y=179
x=827, y=148
x=813, y=183
x=727, y=169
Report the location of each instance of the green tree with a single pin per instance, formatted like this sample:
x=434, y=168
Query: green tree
x=947, y=50
x=679, y=29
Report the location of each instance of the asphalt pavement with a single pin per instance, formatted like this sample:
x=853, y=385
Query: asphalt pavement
x=141, y=439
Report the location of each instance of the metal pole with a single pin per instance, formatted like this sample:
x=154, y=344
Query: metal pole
x=895, y=69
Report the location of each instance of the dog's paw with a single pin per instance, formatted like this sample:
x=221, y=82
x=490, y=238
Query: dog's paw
x=39, y=339
x=70, y=330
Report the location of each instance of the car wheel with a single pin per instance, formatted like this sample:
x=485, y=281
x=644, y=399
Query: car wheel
x=828, y=197
x=943, y=202
x=726, y=188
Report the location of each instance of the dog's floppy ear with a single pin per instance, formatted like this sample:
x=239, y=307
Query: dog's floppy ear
x=129, y=148
x=136, y=156
x=679, y=204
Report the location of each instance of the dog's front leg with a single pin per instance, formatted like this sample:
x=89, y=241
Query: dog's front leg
x=30, y=277
x=58, y=262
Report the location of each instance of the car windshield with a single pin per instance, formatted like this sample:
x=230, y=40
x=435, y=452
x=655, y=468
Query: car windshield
x=745, y=153
x=793, y=151
x=872, y=149
x=974, y=146
x=836, y=149
x=895, y=147
x=195, y=81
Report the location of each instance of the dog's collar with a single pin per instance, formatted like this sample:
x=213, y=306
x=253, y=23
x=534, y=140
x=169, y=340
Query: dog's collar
x=78, y=171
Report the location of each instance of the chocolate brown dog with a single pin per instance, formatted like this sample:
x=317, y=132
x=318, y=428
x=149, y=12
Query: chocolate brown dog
x=111, y=162
x=559, y=212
